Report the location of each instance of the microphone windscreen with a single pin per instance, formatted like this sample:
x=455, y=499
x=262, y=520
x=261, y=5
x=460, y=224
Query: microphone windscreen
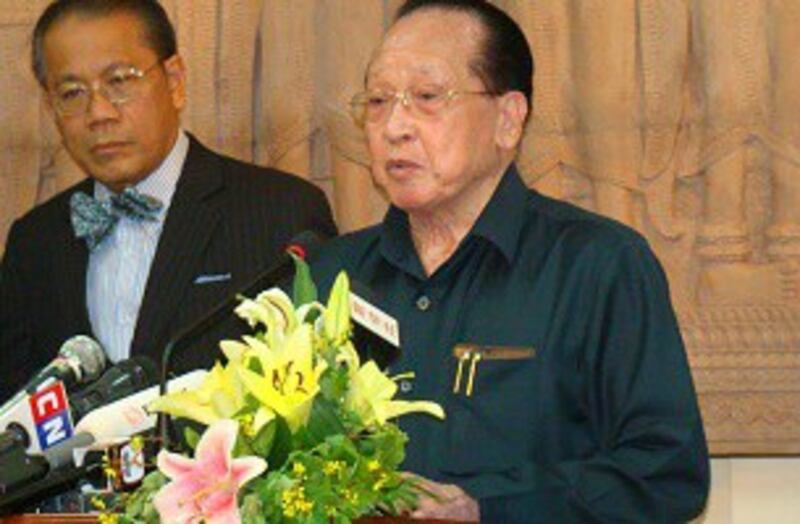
x=86, y=355
x=305, y=243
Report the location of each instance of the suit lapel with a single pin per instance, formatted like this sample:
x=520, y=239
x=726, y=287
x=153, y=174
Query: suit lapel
x=75, y=259
x=192, y=217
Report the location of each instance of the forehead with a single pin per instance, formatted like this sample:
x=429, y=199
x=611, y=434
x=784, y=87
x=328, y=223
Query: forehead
x=429, y=43
x=84, y=46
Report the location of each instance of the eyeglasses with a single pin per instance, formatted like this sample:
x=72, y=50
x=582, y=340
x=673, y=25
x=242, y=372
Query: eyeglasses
x=119, y=86
x=374, y=105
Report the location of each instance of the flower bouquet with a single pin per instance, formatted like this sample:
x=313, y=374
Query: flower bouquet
x=296, y=426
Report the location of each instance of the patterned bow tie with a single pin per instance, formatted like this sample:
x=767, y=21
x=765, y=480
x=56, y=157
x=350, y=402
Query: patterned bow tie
x=93, y=220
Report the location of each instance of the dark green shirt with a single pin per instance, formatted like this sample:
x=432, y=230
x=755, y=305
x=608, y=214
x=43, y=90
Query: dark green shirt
x=582, y=406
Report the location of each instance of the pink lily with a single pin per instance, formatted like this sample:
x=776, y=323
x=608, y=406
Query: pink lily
x=203, y=489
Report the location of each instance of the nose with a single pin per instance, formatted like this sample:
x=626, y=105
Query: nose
x=399, y=125
x=100, y=108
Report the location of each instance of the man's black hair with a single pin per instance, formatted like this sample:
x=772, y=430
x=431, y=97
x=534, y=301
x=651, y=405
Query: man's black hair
x=505, y=62
x=158, y=30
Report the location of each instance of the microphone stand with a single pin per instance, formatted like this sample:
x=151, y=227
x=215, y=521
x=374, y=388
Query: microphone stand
x=283, y=269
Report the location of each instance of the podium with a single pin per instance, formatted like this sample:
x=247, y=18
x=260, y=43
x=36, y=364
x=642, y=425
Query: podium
x=64, y=518
x=55, y=518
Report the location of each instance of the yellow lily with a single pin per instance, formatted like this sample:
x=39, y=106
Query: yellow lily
x=370, y=396
x=289, y=380
x=220, y=396
x=274, y=310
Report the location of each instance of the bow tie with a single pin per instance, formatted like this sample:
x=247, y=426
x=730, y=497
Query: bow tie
x=93, y=220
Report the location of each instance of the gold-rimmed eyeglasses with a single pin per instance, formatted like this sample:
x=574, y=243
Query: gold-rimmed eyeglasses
x=119, y=85
x=374, y=105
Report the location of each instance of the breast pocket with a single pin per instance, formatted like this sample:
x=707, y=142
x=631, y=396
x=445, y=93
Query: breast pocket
x=492, y=409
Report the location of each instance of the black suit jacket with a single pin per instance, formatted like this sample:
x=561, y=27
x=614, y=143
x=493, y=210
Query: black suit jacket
x=226, y=217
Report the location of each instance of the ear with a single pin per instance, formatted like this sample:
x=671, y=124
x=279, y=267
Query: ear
x=176, y=80
x=511, y=119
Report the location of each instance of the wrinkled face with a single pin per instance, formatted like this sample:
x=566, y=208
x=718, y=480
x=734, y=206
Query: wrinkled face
x=435, y=162
x=116, y=144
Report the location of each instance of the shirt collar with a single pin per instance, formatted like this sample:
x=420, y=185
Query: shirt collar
x=160, y=183
x=503, y=218
x=500, y=222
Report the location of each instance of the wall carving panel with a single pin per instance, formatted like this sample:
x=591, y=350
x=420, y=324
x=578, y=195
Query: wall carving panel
x=680, y=118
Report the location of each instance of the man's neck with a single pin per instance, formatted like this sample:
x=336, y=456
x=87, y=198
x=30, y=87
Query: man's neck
x=161, y=181
x=437, y=233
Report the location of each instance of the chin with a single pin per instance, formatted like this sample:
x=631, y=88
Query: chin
x=115, y=180
x=411, y=203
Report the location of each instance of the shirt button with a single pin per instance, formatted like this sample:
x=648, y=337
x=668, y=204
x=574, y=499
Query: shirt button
x=406, y=386
x=423, y=303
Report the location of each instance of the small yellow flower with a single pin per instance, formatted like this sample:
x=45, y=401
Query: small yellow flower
x=350, y=496
x=333, y=467
x=294, y=502
x=373, y=465
x=108, y=469
x=381, y=482
x=108, y=518
x=137, y=443
x=246, y=425
x=298, y=469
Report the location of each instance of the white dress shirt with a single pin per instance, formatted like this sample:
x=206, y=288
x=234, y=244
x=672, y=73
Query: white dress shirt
x=118, y=268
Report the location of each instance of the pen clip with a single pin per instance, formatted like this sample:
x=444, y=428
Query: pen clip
x=460, y=370
x=472, y=369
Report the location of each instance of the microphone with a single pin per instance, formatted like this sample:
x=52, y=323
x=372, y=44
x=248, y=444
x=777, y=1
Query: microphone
x=301, y=245
x=125, y=378
x=80, y=360
x=119, y=420
x=19, y=469
x=25, y=477
x=376, y=333
x=41, y=409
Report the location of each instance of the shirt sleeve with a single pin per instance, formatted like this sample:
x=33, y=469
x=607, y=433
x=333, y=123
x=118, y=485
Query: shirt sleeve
x=651, y=460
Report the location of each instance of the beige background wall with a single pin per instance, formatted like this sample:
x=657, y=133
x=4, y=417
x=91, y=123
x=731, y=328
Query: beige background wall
x=679, y=117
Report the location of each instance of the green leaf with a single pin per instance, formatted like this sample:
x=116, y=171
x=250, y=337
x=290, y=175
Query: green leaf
x=252, y=510
x=263, y=441
x=281, y=444
x=334, y=383
x=389, y=444
x=322, y=422
x=304, y=291
x=191, y=437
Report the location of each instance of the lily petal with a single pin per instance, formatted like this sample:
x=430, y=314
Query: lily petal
x=337, y=312
x=174, y=465
x=205, y=488
x=216, y=445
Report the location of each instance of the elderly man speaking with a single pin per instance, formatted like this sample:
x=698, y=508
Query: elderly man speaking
x=544, y=330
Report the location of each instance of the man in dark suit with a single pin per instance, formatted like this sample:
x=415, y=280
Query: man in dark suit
x=162, y=229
